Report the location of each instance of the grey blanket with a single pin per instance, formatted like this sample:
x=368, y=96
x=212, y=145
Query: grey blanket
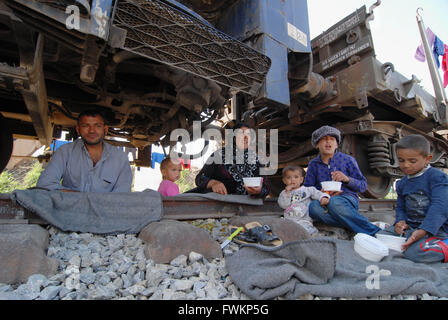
x=100, y=213
x=232, y=198
x=330, y=268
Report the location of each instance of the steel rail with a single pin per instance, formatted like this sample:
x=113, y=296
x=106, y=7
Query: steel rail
x=182, y=209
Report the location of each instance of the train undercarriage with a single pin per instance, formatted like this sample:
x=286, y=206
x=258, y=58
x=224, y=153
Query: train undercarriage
x=159, y=65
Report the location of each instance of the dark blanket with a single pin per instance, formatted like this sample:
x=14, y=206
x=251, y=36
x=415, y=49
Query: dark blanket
x=100, y=213
x=330, y=268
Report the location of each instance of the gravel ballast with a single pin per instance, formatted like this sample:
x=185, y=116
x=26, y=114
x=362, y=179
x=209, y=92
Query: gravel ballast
x=115, y=268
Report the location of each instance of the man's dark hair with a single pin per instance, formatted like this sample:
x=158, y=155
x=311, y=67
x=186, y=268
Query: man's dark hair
x=239, y=125
x=415, y=142
x=293, y=168
x=234, y=125
x=91, y=113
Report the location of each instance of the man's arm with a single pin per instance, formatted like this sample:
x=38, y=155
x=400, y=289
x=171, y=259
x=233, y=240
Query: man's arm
x=51, y=177
x=124, y=180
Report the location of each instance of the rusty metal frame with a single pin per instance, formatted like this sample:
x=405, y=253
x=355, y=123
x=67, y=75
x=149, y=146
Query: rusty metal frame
x=36, y=96
x=367, y=127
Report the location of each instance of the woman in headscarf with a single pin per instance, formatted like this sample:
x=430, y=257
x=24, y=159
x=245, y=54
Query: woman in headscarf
x=225, y=176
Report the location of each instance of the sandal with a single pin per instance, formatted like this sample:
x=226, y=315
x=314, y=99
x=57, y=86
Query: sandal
x=254, y=232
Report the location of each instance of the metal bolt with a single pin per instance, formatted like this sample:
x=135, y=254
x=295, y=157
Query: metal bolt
x=18, y=84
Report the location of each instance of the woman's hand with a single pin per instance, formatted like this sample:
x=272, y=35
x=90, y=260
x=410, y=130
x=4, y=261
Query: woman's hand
x=217, y=187
x=254, y=190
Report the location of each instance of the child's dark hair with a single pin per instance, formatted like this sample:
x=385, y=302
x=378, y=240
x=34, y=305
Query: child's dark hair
x=415, y=142
x=293, y=168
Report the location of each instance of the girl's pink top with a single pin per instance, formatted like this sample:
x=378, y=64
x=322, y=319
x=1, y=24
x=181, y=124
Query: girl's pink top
x=168, y=188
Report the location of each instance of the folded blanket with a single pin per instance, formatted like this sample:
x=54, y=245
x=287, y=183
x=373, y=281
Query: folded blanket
x=100, y=213
x=232, y=198
x=265, y=273
x=330, y=268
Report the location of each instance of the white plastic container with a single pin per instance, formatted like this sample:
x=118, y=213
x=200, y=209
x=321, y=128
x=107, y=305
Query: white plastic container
x=392, y=242
x=252, y=182
x=331, y=185
x=370, y=248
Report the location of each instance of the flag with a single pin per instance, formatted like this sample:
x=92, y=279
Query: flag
x=445, y=67
x=156, y=157
x=439, y=50
x=436, y=45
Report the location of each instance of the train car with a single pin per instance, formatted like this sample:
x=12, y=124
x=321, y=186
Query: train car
x=154, y=66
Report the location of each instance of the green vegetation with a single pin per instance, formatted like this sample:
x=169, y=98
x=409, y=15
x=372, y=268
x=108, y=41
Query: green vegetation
x=186, y=181
x=391, y=195
x=9, y=183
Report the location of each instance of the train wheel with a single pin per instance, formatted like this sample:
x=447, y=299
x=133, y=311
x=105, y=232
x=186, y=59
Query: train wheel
x=6, y=143
x=377, y=186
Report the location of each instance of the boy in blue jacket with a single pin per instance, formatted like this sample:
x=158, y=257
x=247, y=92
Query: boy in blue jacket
x=330, y=164
x=422, y=213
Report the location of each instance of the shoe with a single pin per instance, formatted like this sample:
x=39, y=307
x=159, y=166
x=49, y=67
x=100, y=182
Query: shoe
x=254, y=232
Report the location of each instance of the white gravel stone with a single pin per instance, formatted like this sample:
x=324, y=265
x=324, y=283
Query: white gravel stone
x=49, y=293
x=87, y=276
x=75, y=261
x=37, y=281
x=136, y=289
x=194, y=257
x=5, y=288
x=27, y=292
x=180, y=261
x=101, y=293
x=183, y=285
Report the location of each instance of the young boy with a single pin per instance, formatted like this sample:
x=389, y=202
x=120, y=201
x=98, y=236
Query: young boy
x=422, y=213
x=295, y=199
x=342, y=210
x=170, y=174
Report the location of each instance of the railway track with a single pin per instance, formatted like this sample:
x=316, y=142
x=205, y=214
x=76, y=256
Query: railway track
x=181, y=209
